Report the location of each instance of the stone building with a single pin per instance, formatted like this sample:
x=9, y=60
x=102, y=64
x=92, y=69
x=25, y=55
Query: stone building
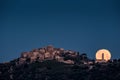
x=50, y=48
x=47, y=53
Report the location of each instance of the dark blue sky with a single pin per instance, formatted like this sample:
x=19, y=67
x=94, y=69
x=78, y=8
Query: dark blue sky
x=83, y=25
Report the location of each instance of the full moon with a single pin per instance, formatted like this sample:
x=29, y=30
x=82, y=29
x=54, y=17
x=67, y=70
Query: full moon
x=103, y=54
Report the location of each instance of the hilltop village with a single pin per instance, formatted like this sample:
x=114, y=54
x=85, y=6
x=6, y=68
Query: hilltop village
x=50, y=63
x=50, y=53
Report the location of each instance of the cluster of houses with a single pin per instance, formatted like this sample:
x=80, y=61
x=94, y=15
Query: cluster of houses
x=47, y=53
x=51, y=53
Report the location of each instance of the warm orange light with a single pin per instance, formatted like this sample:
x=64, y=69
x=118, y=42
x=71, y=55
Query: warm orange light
x=103, y=54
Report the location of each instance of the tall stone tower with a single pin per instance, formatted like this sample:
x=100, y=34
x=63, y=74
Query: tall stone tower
x=103, y=57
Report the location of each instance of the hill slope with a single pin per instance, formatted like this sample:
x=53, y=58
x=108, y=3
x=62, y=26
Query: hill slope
x=54, y=70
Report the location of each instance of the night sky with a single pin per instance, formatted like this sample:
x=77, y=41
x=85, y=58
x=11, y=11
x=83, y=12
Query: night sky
x=83, y=25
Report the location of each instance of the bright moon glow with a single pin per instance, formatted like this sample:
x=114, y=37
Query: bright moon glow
x=103, y=54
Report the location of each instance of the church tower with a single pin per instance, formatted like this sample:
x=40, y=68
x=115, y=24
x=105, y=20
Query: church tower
x=103, y=57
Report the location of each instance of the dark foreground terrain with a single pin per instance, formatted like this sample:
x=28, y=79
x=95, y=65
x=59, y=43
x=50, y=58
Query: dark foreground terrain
x=53, y=70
